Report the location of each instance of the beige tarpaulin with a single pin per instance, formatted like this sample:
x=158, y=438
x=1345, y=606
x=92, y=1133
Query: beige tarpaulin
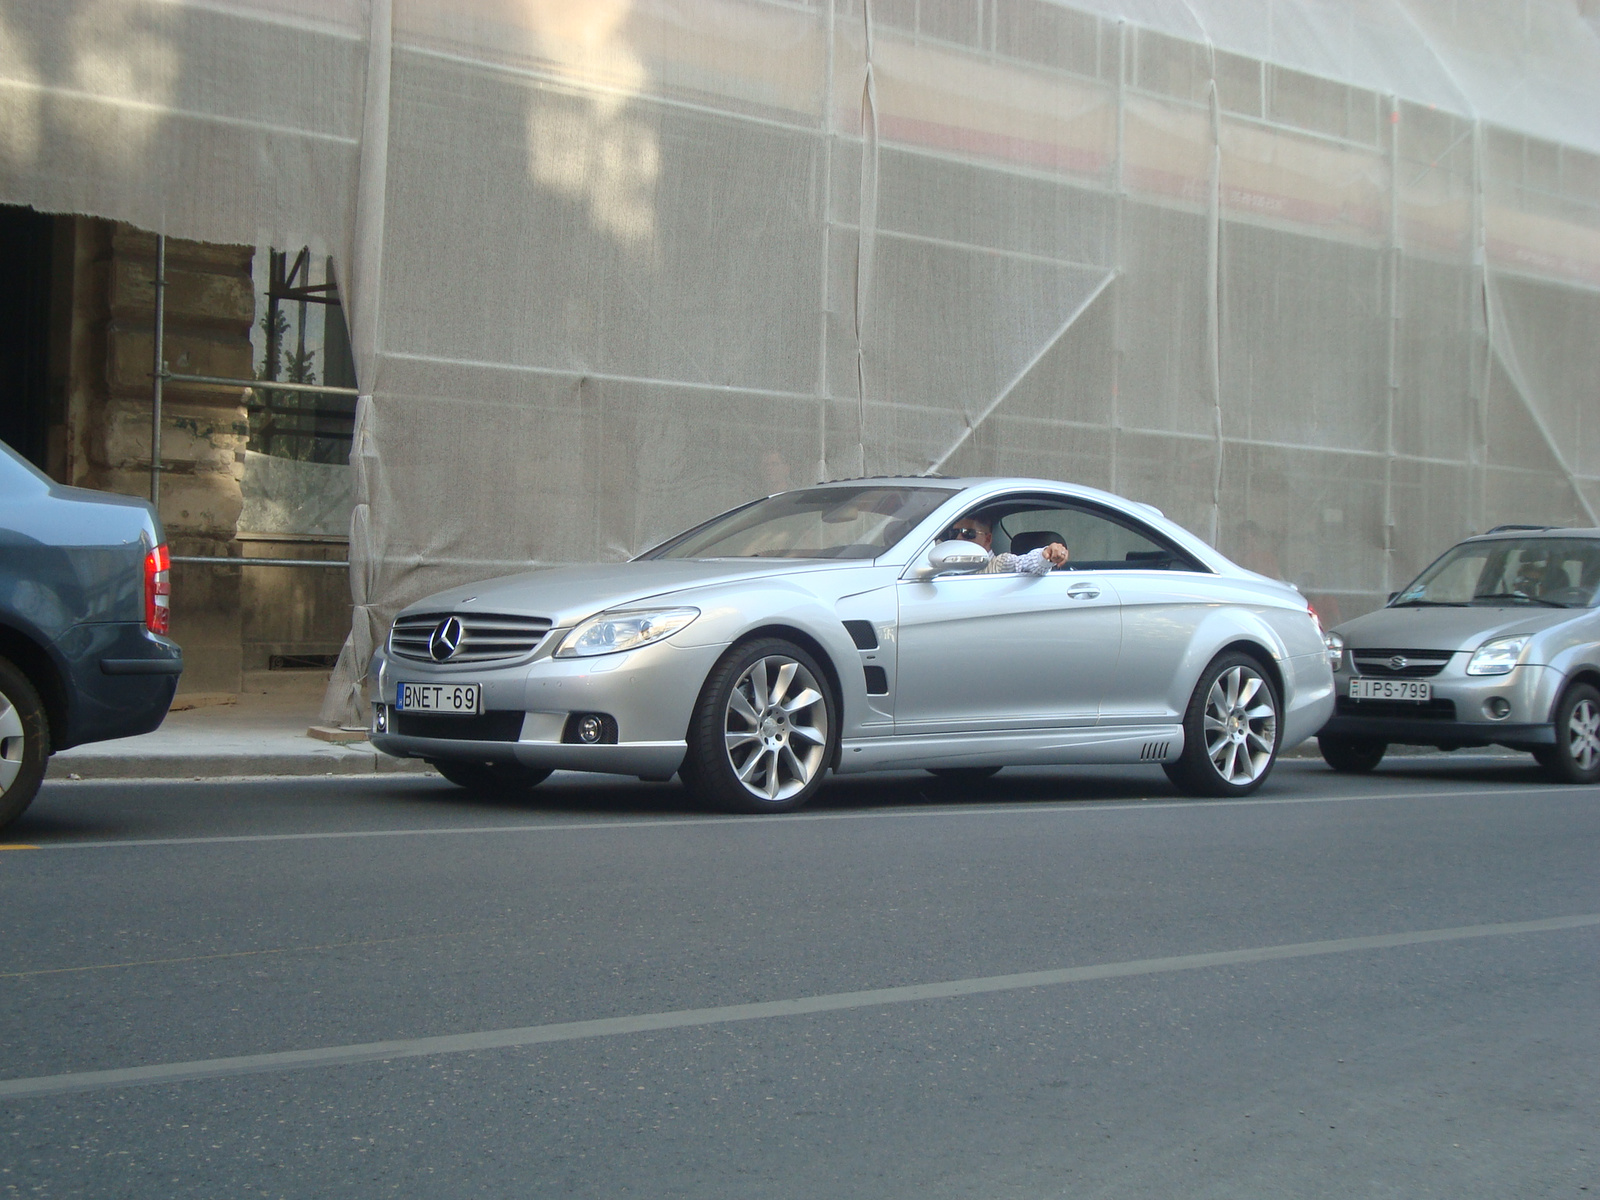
x=1320, y=278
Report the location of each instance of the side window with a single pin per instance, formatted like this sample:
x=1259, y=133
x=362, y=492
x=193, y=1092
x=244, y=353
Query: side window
x=1094, y=540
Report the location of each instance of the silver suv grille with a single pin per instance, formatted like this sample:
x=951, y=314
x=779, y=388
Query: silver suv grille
x=1400, y=664
x=485, y=637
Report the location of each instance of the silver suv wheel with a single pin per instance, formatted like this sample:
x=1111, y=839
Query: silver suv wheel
x=1575, y=758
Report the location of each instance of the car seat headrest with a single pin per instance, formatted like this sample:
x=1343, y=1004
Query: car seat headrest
x=1021, y=543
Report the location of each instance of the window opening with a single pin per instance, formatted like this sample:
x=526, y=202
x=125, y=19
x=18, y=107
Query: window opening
x=305, y=342
x=1096, y=540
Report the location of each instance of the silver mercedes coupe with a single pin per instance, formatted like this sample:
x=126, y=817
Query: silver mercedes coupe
x=839, y=627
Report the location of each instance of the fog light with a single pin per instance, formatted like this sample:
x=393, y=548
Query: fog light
x=590, y=729
x=1497, y=708
x=380, y=718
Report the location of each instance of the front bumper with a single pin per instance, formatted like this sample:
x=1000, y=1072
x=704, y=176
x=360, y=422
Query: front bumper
x=649, y=694
x=1456, y=716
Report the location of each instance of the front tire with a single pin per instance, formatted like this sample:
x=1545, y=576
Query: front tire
x=24, y=742
x=1575, y=758
x=1351, y=755
x=491, y=778
x=764, y=730
x=1230, y=730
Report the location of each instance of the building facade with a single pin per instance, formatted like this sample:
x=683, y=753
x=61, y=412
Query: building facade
x=1319, y=279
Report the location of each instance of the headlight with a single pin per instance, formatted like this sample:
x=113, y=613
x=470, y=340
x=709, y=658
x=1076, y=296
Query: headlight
x=609, y=632
x=1497, y=657
x=1335, y=645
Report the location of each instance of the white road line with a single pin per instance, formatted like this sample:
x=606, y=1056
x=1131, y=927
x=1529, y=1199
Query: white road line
x=1050, y=808
x=572, y=1031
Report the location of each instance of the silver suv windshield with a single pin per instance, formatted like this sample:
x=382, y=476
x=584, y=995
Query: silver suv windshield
x=843, y=521
x=1542, y=572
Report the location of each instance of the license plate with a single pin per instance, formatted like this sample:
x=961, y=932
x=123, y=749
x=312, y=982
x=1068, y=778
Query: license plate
x=1414, y=690
x=465, y=699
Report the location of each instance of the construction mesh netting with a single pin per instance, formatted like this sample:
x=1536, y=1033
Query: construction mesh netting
x=1319, y=278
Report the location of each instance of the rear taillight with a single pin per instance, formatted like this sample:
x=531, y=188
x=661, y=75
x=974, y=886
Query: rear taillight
x=158, y=590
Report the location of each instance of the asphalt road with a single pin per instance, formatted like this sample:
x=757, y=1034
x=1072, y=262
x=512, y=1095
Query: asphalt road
x=1056, y=985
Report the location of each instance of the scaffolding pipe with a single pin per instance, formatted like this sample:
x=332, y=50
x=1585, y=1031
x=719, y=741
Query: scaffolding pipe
x=159, y=373
x=260, y=385
x=261, y=562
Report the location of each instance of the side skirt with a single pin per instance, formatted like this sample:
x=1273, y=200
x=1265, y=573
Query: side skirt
x=1064, y=747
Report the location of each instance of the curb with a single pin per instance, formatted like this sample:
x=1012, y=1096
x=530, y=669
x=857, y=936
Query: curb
x=328, y=760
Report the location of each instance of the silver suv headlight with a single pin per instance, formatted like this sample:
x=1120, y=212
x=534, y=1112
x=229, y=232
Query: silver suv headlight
x=623, y=629
x=1335, y=645
x=1497, y=657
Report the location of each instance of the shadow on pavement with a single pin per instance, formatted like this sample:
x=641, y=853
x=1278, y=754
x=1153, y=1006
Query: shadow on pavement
x=121, y=810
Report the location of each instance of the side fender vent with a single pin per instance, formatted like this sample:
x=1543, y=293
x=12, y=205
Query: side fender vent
x=877, y=681
x=1154, y=751
x=862, y=634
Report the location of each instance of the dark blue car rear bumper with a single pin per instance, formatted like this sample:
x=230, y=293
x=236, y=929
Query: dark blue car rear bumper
x=122, y=680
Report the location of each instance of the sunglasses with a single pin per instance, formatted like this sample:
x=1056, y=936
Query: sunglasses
x=964, y=534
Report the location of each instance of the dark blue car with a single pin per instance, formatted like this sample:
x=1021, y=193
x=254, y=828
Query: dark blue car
x=84, y=592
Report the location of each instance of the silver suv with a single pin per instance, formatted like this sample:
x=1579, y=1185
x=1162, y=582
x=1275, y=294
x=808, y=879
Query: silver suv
x=1496, y=643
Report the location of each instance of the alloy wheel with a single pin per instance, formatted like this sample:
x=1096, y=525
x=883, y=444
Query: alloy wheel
x=12, y=741
x=24, y=742
x=1241, y=725
x=1583, y=735
x=776, y=728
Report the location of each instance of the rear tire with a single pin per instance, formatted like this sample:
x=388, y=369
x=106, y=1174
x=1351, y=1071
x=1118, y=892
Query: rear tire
x=1351, y=755
x=1230, y=730
x=491, y=778
x=764, y=730
x=24, y=742
x=1575, y=758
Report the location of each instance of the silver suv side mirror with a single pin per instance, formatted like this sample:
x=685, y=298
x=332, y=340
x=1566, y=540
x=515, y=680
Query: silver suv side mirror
x=954, y=558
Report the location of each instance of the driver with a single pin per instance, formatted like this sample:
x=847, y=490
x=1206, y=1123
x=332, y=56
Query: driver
x=1035, y=562
x=1531, y=578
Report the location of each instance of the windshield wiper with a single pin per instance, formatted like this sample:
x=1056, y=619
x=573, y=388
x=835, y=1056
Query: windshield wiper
x=1428, y=604
x=1518, y=596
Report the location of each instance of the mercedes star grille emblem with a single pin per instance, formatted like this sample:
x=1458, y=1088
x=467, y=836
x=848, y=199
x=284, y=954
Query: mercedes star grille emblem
x=1398, y=662
x=446, y=640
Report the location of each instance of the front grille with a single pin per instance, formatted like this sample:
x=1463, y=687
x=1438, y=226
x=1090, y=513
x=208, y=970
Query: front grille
x=497, y=725
x=1419, y=664
x=1433, y=710
x=485, y=637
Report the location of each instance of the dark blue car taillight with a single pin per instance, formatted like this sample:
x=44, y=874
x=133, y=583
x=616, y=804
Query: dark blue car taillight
x=158, y=590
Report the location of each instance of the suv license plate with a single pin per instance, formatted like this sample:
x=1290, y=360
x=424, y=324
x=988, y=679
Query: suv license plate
x=1391, y=689
x=465, y=699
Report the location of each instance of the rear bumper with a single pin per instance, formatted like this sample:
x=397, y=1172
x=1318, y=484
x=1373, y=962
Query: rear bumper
x=120, y=681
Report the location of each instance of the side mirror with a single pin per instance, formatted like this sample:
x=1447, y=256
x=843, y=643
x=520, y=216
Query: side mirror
x=954, y=558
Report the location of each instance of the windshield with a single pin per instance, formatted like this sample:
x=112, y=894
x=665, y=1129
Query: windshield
x=823, y=522
x=1541, y=572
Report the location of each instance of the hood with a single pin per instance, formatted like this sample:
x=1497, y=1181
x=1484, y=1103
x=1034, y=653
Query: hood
x=1421, y=628
x=569, y=594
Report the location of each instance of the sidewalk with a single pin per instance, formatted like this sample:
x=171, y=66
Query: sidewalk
x=261, y=732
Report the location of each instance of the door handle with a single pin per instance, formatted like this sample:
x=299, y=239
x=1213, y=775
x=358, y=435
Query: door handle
x=1083, y=591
